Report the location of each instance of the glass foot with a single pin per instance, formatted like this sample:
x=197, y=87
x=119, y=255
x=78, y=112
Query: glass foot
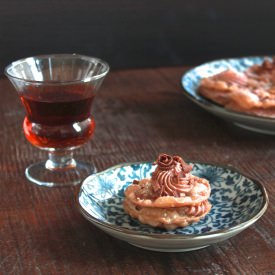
x=39, y=174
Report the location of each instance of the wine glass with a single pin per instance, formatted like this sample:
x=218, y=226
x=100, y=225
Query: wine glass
x=57, y=92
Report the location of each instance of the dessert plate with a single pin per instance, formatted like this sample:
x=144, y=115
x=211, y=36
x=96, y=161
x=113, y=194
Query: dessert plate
x=190, y=82
x=237, y=202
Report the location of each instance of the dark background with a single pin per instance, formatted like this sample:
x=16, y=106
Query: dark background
x=140, y=33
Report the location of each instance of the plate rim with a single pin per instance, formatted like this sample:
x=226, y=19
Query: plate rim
x=207, y=235
x=212, y=106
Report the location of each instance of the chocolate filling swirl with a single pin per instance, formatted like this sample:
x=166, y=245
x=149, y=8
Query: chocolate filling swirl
x=171, y=177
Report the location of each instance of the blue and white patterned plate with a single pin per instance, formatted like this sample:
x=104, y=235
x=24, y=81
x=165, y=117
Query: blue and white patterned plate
x=190, y=82
x=237, y=202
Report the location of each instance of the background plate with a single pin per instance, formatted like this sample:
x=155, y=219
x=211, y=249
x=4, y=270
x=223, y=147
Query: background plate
x=190, y=82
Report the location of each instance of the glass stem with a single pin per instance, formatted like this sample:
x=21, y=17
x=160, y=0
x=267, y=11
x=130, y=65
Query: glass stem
x=60, y=159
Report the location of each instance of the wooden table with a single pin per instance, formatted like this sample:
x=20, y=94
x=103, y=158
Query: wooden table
x=139, y=114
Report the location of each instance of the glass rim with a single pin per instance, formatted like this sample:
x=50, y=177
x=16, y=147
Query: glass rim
x=58, y=82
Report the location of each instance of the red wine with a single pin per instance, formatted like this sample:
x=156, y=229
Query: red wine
x=59, y=119
x=57, y=113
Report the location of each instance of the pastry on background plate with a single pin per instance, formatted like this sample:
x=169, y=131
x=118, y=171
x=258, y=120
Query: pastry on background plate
x=251, y=91
x=171, y=198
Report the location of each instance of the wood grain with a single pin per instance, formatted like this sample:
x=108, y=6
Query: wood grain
x=139, y=114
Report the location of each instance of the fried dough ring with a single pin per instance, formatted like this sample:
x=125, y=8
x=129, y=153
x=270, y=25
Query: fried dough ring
x=254, y=96
x=199, y=193
x=168, y=218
